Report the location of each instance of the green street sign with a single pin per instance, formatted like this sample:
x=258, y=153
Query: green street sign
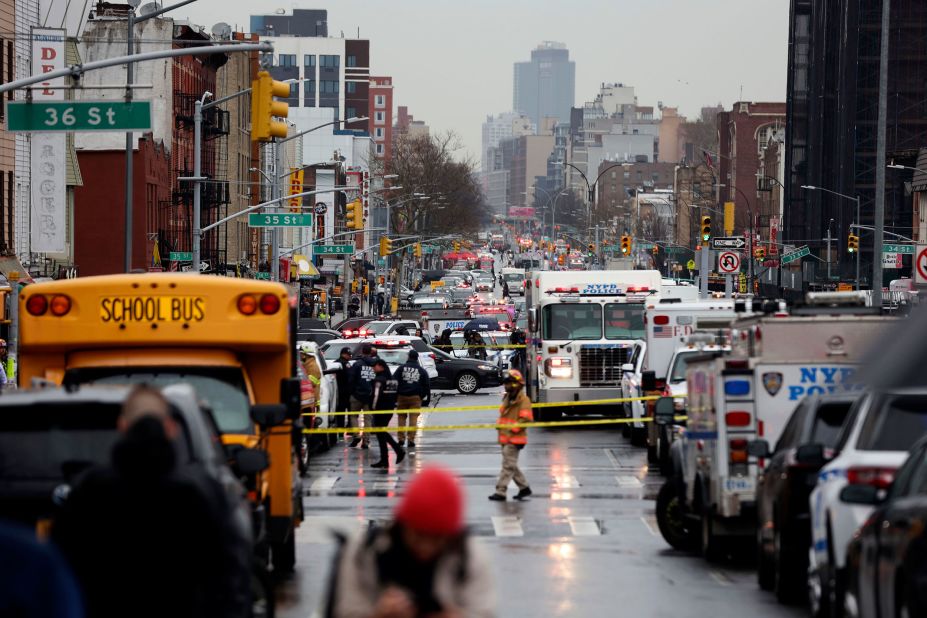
x=333, y=250
x=180, y=256
x=260, y=275
x=53, y=116
x=645, y=245
x=905, y=249
x=796, y=255
x=677, y=250
x=280, y=220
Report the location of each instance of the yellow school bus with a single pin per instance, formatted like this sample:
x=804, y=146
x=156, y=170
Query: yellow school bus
x=232, y=339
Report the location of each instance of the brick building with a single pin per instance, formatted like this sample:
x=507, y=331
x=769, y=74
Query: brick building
x=381, y=117
x=742, y=134
x=618, y=184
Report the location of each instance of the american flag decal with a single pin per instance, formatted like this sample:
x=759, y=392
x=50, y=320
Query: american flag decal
x=663, y=332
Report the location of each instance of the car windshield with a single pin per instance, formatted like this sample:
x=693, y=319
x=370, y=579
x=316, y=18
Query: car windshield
x=571, y=321
x=677, y=372
x=52, y=442
x=624, y=321
x=895, y=425
x=221, y=389
x=377, y=328
x=332, y=350
x=828, y=421
x=394, y=356
x=513, y=277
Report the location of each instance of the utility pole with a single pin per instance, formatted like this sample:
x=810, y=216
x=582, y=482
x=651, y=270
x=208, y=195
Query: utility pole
x=130, y=78
x=879, y=212
x=828, y=239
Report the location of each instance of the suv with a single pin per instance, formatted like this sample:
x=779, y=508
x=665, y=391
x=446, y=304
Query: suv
x=782, y=531
x=874, y=442
x=391, y=327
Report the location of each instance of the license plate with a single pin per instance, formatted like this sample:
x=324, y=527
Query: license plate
x=152, y=309
x=738, y=484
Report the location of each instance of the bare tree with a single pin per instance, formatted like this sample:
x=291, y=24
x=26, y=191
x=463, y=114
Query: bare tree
x=425, y=166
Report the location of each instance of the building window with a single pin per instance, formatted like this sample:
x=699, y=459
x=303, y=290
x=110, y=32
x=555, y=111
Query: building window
x=378, y=133
x=379, y=100
x=267, y=59
x=288, y=60
x=380, y=149
x=294, y=90
x=329, y=62
x=350, y=87
x=309, y=92
x=379, y=117
x=350, y=61
x=328, y=86
x=309, y=60
x=350, y=112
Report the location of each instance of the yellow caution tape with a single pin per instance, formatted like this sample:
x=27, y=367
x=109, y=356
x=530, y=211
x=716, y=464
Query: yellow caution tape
x=410, y=428
x=557, y=404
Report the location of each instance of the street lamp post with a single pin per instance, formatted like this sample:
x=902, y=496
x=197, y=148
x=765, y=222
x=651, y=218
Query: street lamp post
x=591, y=187
x=846, y=197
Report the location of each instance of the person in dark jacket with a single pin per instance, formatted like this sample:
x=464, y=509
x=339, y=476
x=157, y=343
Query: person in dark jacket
x=344, y=387
x=505, y=289
x=384, y=398
x=443, y=342
x=148, y=537
x=361, y=386
x=477, y=345
x=414, y=390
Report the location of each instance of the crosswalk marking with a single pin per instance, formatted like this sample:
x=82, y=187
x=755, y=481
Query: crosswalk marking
x=389, y=484
x=507, y=525
x=629, y=482
x=650, y=522
x=584, y=526
x=566, y=482
x=323, y=484
x=321, y=529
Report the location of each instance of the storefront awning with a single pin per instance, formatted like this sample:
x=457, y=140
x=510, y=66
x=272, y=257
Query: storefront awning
x=10, y=264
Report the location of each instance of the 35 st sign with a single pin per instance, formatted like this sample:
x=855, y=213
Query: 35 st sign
x=57, y=116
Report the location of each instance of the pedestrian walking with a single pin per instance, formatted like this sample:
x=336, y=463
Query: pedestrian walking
x=443, y=342
x=424, y=563
x=149, y=537
x=385, y=388
x=516, y=408
x=361, y=385
x=414, y=390
x=381, y=301
x=505, y=289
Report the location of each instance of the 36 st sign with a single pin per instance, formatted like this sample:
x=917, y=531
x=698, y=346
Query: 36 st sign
x=57, y=116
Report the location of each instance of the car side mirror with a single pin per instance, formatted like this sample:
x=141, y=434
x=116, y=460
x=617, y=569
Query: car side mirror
x=664, y=411
x=810, y=455
x=267, y=415
x=649, y=381
x=291, y=397
x=862, y=494
x=759, y=449
x=628, y=368
x=250, y=461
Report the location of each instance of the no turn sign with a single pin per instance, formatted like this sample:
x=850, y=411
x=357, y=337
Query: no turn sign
x=920, y=265
x=728, y=262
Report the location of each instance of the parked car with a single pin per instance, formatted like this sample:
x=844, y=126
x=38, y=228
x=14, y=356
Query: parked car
x=389, y=347
x=883, y=425
x=887, y=557
x=317, y=336
x=352, y=327
x=782, y=529
x=467, y=375
x=391, y=327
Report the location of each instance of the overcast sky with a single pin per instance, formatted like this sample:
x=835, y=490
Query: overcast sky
x=451, y=60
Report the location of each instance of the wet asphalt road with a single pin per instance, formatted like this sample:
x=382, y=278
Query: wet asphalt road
x=586, y=543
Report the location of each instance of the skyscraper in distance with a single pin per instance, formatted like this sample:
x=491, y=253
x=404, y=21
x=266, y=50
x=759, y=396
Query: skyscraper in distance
x=545, y=86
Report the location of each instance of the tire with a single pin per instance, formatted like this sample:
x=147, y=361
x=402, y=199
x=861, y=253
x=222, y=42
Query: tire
x=651, y=453
x=787, y=570
x=283, y=555
x=710, y=542
x=467, y=382
x=671, y=518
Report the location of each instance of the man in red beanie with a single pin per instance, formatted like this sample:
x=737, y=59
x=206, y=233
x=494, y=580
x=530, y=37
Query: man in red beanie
x=424, y=564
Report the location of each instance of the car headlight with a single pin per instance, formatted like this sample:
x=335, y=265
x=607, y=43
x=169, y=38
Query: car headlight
x=559, y=367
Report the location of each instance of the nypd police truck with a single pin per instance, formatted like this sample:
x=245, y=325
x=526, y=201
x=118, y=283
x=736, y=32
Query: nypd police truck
x=582, y=330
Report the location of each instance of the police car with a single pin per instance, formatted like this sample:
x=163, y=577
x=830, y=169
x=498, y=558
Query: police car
x=394, y=349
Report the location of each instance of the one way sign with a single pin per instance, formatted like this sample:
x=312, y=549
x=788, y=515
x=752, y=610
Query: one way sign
x=728, y=242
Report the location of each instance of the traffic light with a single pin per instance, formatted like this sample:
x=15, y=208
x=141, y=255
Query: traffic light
x=852, y=243
x=386, y=246
x=417, y=250
x=706, y=228
x=354, y=286
x=759, y=253
x=264, y=108
x=591, y=247
x=354, y=215
x=625, y=245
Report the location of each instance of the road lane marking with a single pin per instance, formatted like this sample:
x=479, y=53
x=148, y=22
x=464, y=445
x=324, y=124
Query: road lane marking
x=612, y=458
x=507, y=525
x=650, y=522
x=566, y=482
x=386, y=485
x=720, y=577
x=322, y=529
x=629, y=482
x=584, y=526
x=323, y=484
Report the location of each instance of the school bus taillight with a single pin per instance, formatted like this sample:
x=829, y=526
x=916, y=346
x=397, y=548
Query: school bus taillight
x=37, y=305
x=270, y=304
x=60, y=305
x=247, y=305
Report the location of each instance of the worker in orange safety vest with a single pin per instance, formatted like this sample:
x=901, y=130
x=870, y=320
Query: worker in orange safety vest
x=516, y=408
